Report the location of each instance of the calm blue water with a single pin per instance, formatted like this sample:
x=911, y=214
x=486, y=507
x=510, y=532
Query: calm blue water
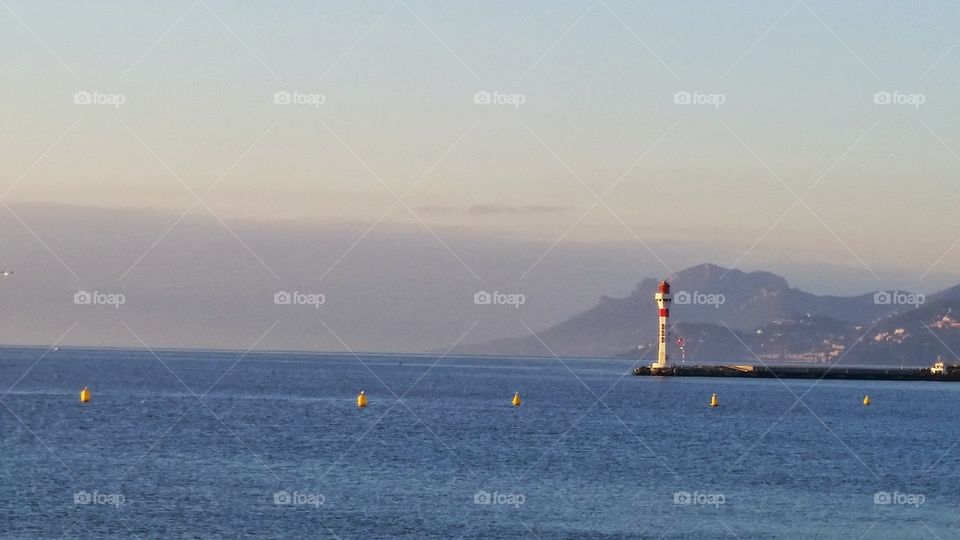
x=157, y=461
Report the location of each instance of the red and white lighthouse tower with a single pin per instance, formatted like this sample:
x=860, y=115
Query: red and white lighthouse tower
x=663, y=298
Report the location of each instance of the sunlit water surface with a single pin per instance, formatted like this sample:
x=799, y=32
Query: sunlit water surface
x=204, y=444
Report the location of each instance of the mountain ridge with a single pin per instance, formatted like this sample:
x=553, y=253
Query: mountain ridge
x=758, y=311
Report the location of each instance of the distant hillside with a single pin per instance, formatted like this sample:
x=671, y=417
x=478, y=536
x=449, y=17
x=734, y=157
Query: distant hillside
x=729, y=315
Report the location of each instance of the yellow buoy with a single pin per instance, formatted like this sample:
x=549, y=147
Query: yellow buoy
x=362, y=399
x=714, y=402
x=85, y=395
x=867, y=400
x=516, y=399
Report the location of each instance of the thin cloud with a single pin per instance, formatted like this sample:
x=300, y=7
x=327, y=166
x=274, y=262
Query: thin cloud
x=495, y=209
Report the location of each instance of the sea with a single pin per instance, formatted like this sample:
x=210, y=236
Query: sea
x=219, y=444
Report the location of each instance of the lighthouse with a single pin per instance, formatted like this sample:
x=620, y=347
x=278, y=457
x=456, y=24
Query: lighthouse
x=663, y=298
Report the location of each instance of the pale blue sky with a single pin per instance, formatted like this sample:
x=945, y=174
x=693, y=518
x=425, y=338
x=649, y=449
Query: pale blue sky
x=597, y=80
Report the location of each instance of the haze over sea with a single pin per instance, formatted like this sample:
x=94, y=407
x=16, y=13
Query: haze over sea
x=221, y=444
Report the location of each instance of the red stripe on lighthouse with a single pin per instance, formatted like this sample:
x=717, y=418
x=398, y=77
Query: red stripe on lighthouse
x=664, y=312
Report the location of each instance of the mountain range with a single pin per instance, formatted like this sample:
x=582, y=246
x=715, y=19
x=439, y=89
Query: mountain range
x=727, y=315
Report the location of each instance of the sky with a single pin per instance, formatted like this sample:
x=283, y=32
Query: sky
x=425, y=149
